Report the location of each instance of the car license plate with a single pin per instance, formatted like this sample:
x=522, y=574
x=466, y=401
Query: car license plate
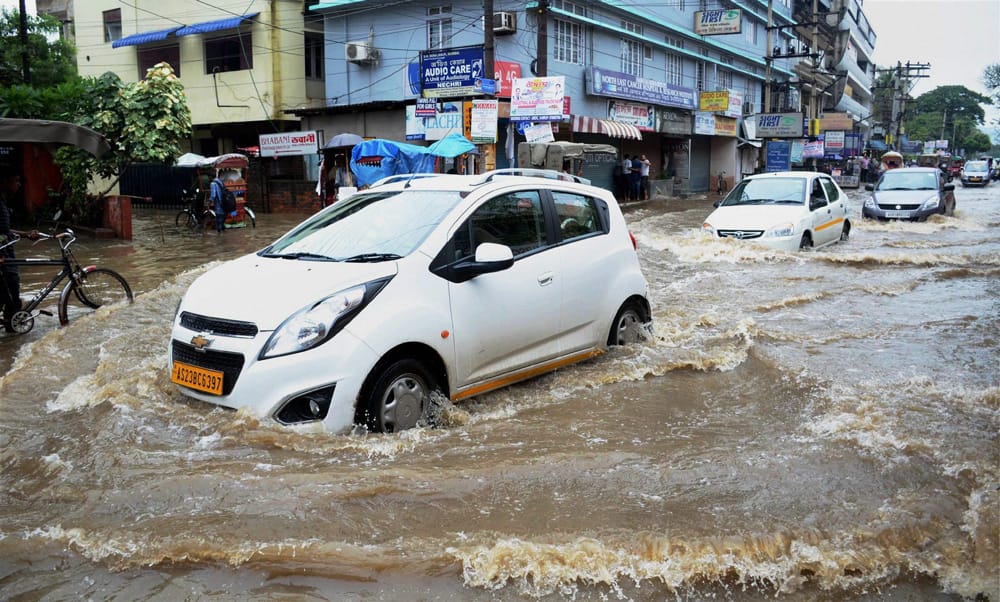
x=209, y=381
x=893, y=213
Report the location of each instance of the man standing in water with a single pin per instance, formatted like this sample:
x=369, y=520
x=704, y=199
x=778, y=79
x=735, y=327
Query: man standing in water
x=10, y=280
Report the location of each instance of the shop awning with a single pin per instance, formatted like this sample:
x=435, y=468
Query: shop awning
x=217, y=25
x=145, y=37
x=613, y=129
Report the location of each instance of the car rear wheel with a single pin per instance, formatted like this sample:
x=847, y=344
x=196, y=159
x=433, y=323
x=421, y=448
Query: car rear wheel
x=806, y=242
x=845, y=234
x=397, y=399
x=629, y=326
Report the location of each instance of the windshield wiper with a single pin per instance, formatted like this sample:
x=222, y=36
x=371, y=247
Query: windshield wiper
x=371, y=257
x=300, y=255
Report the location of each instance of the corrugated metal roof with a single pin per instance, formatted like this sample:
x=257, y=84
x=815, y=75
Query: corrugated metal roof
x=144, y=38
x=333, y=4
x=217, y=25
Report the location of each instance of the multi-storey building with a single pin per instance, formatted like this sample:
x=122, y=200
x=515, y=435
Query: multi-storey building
x=633, y=74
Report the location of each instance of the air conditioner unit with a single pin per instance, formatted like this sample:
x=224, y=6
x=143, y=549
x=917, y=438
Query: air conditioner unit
x=360, y=52
x=504, y=23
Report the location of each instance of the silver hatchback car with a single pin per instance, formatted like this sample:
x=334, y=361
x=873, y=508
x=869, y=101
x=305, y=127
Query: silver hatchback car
x=910, y=193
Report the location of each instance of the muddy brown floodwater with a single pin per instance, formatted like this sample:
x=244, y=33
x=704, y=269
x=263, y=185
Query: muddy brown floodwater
x=814, y=426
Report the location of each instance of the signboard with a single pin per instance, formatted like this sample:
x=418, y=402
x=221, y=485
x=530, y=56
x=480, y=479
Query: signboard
x=448, y=118
x=675, y=122
x=539, y=132
x=735, y=108
x=836, y=121
x=725, y=126
x=779, y=125
x=426, y=107
x=288, y=144
x=506, y=73
x=812, y=149
x=778, y=156
x=641, y=116
x=616, y=84
x=717, y=22
x=451, y=71
x=486, y=86
x=537, y=99
x=717, y=100
x=704, y=124
x=484, y=121
x=834, y=142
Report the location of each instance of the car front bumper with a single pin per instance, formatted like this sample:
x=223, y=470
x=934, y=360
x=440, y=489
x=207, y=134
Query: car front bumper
x=887, y=213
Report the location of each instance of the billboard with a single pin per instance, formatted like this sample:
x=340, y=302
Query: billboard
x=717, y=22
x=537, y=99
x=778, y=125
x=450, y=71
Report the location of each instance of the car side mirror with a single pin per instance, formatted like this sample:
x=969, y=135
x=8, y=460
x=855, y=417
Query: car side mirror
x=490, y=257
x=717, y=203
x=869, y=187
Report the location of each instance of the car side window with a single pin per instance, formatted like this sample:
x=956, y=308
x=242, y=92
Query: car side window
x=576, y=213
x=831, y=190
x=817, y=198
x=514, y=219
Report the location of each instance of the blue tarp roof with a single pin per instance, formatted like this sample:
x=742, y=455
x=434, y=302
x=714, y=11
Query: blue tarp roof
x=145, y=37
x=375, y=159
x=217, y=25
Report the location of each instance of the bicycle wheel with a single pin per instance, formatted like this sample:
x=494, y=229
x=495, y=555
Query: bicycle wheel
x=95, y=288
x=249, y=217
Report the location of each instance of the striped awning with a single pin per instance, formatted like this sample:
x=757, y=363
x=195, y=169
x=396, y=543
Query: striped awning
x=613, y=129
x=145, y=37
x=217, y=25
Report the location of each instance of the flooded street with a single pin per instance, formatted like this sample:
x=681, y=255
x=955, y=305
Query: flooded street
x=809, y=426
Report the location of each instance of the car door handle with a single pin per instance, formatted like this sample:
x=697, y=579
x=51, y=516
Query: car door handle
x=545, y=279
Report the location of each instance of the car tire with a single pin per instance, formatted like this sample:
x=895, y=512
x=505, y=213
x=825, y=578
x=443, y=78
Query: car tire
x=629, y=325
x=397, y=397
x=806, y=242
x=845, y=233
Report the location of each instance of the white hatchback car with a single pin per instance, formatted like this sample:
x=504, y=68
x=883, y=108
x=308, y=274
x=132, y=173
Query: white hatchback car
x=461, y=284
x=784, y=210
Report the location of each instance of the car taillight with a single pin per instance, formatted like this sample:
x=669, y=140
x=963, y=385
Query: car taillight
x=635, y=245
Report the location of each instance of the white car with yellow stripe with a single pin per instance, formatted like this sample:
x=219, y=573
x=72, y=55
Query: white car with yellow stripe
x=456, y=284
x=787, y=210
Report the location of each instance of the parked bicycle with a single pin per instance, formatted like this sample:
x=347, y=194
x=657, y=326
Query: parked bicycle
x=193, y=215
x=91, y=286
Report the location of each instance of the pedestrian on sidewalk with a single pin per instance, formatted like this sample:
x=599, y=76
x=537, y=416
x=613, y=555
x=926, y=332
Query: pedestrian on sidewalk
x=644, y=178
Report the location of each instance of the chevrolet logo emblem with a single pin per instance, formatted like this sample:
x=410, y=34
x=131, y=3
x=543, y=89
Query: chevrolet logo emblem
x=200, y=341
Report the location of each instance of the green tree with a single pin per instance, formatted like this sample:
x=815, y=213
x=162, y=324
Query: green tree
x=51, y=59
x=953, y=102
x=145, y=122
x=976, y=142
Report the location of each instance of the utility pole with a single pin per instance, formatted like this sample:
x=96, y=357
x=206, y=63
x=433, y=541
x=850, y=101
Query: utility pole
x=542, y=44
x=23, y=31
x=488, y=44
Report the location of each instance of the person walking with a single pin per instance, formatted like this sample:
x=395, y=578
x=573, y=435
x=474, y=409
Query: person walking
x=10, y=280
x=218, y=186
x=625, y=167
x=644, y=178
x=635, y=176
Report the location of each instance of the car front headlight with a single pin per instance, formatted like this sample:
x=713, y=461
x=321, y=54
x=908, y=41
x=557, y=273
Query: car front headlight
x=870, y=203
x=931, y=203
x=779, y=230
x=708, y=229
x=317, y=323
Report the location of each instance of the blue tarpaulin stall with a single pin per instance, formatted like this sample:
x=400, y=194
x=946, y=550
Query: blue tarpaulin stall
x=373, y=160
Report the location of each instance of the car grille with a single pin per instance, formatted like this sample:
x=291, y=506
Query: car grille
x=230, y=364
x=901, y=207
x=741, y=234
x=229, y=328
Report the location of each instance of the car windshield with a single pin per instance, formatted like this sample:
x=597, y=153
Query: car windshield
x=759, y=191
x=894, y=180
x=368, y=227
x=975, y=166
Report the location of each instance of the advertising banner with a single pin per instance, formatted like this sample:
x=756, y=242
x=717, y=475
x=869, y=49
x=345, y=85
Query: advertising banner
x=448, y=119
x=716, y=100
x=451, y=71
x=537, y=99
x=538, y=132
x=289, y=143
x=704, y=124
x=717, y=22
x=641, y=116
x=506, y=73
x=629, y=87
x=836, y=121
x=484, y=121
x=779, y=125
x=725, y=126
x=812, y=149
x=834, y=142
x=735, y=108
x=778, y=156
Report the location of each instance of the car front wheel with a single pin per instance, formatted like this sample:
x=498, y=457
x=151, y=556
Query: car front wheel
x=806, y=242
x=845, y=233
x=397, y=399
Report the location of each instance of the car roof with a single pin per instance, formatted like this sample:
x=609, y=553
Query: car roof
x=786, y=174
x=914, y=170
x=468, y=183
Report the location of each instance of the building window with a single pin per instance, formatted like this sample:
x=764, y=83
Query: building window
x=146, y=57
x=749, y=97
x=674, y=69
x=112, y=25
x=703, y=5
x=675, y=42
x=725, y=79
x=568, y=42
x=229, y=53
x=439, y=29
x=751, y=33
x=631, y=27
x=314, y=56
x=570, y=7
x=631, y=58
